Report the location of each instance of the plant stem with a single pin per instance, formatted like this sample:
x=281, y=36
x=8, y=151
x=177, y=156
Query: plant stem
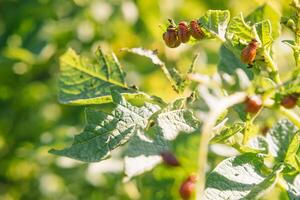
x=206, y=132
x=297, y=35
x=290, y=115
x=297, y=40
x=281, y=182
x=249, y=124
x=272, y=66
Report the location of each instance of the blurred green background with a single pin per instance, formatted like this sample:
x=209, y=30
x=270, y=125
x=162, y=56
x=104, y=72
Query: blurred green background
x=33, y=34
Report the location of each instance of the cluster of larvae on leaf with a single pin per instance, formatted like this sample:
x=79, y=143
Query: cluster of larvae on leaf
x=181, y=33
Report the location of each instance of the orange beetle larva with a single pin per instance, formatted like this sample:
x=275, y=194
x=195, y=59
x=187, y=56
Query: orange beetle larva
x=249, y=52
x=289, y=101
x=171, y=37
x=183, y=32
x=196, y=31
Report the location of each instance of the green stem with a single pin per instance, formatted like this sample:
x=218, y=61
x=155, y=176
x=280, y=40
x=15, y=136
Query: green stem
x=206, y=133
x=297, y=40
x=249, y=124
x=290, y=115
x=247, y=129
x=281, y=182
x=272, y=66
x=297, y=36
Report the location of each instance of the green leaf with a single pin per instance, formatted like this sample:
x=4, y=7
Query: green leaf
x=293, y=191
x=174, y=119
x=22, y=54
x=292, y=44
x=291, y=154
x=176, y=79
x=170, y=178
x=295, y=4
x=292, y=86
x=283, y=141
x=259, y=143
x=264, y=32
x=228, y=132
x=240, y=110
x=238, y=178
x=293, y=188
x=266, y=12
x=264, y=85
x=263, y=186
x=296, y=50
x=215, y=22
x=85, y=82
x=229, y=63
x=247, y=149
x=105, y=132
x=143, y=154
x=239, y=31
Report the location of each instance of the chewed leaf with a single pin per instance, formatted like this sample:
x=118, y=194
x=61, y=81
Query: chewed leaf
x=239, y=31
x=266, y=12
x=176, y=79
x=143, y=152
x=84, y=82
x=264, y=32
x=151, y=54
x=111, y=68
x=174, y=119
x=215, y=22
x=238, y=178
x=105, y=132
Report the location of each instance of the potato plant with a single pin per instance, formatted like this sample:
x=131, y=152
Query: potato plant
x=246, y=106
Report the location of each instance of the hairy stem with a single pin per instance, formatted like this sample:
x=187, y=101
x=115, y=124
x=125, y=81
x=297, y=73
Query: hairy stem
x=206, y=133
x=273, y=67
x=249, y=124
x=297, y=34
x=297, y=40
x=295, y=4
x=281, y=182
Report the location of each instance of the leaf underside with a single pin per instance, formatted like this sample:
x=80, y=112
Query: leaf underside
x=238, y=178
x=143, y=152
x=280, y=138
x=105, y=132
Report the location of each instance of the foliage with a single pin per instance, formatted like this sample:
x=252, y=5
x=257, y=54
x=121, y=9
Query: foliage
x=150, y=128
x=134, y=110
